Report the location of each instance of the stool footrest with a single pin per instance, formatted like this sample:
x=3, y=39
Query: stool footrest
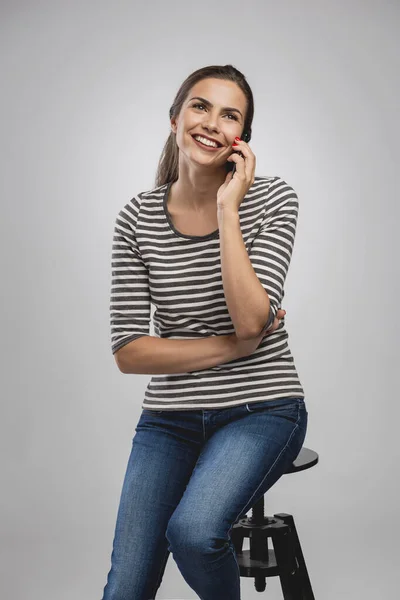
x=285, y=560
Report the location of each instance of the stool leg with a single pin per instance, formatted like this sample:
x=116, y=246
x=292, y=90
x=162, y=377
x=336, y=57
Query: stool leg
x=305, y=583
x=287, y=565
x=237, y=537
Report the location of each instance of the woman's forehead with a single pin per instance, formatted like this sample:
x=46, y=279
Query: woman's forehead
x=219, y=92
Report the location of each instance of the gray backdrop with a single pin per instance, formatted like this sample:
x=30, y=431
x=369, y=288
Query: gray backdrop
x=86, y=90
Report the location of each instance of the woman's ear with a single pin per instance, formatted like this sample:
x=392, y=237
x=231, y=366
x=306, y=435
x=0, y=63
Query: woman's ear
x=173, y=125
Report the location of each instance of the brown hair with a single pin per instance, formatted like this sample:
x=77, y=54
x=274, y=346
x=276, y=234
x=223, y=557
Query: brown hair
x=168, y=166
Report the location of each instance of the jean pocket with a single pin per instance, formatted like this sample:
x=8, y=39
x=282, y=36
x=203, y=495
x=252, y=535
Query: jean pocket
x=289, y=409
x=151, y=411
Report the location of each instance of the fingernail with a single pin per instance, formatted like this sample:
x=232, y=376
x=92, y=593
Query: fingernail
x=238, y=138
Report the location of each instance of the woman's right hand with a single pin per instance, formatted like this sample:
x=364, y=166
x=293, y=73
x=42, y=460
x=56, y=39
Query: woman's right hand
x=246, y=347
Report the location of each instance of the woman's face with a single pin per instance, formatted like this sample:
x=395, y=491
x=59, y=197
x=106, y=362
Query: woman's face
x=220, y=116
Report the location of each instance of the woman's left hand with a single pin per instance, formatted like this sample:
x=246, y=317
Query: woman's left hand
x=277, y=321
x=234, y=188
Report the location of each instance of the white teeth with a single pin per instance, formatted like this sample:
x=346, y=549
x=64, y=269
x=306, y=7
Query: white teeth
x=205, y=141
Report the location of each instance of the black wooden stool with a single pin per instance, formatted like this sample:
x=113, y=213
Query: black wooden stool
x=286, y=559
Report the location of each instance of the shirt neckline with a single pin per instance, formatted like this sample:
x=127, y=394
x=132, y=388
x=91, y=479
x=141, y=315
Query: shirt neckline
x=213, y=234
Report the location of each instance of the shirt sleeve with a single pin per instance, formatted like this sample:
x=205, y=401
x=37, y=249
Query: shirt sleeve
x=272, y=248
x=130, y=296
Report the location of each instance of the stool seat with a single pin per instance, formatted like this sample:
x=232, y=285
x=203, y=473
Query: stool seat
x=306, y=459
x=286, y=558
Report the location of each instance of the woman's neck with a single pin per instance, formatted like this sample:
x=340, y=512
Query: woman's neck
x=198, y=196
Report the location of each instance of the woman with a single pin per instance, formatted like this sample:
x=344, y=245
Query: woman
x=224, y=413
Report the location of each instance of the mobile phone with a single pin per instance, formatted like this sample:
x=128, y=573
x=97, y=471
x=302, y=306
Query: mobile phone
x=230, y=165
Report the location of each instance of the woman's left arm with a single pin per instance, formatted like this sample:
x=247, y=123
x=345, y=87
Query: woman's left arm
x=253, y=282
x=247, y=301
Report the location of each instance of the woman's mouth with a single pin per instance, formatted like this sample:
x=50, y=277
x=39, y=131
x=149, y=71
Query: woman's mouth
x=206, y=147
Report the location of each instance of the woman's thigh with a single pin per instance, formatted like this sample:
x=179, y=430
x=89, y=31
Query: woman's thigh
x=245, y=455
x=159, y=467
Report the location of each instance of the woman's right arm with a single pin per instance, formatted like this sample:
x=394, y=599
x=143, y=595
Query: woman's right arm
x=153, y=356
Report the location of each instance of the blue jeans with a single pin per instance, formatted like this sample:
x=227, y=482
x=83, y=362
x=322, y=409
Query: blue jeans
x=191, y=475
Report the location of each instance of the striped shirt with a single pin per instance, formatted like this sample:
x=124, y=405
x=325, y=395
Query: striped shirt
x=153, y=263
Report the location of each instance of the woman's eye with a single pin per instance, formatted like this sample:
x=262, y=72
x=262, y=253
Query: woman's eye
x=229, y=114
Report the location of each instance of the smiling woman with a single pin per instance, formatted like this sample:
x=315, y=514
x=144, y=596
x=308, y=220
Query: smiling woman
x=214, y=109
x=226, y=106
x=210, y=250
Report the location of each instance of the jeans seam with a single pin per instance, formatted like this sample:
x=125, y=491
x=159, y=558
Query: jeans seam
x=248, y=503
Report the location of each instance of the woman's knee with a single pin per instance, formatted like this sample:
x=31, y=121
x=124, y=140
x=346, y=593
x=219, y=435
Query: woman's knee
x=191, y=536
